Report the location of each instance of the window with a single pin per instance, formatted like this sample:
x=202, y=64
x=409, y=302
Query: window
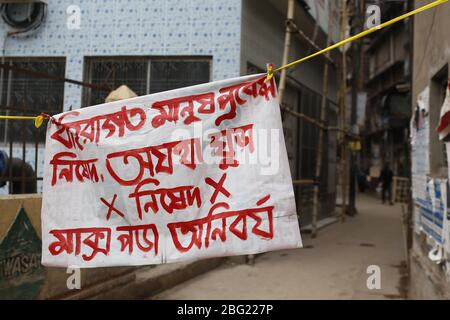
x=31, y=86
x=143, y=75
x=24, y=91
x=310, y=106
x=168, y=75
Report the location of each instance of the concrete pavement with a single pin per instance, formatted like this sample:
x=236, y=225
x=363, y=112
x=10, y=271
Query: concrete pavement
x=331, y=266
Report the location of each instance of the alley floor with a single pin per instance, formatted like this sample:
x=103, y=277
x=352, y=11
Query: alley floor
x=331, y=266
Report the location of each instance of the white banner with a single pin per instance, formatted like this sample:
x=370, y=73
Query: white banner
x=186, y=174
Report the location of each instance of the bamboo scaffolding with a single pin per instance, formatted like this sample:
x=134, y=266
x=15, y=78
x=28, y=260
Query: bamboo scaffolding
x=287, y=46
x=342, y=107
x=304, y=116
x=318, y=123
x=294, y=28
x=323, y=112
x=291, y=27
x=302, y=181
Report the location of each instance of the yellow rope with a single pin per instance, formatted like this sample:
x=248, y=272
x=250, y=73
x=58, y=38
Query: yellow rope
x=38, y=120
x=271, y=71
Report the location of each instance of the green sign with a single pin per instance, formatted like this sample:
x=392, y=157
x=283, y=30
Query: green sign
x=21, y=272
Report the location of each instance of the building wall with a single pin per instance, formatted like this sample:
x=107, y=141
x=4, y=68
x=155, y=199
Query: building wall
x=431, y=45
x=263, y=30
x=431, y=53
x=135, y=27
x=262, y=42
x=428, y=281
x=387, y=75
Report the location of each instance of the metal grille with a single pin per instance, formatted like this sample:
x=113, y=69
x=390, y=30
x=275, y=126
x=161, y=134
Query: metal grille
x=304, y=146
x=143, y=75
x=310, y=105
x=401, y=187
x=23, y=93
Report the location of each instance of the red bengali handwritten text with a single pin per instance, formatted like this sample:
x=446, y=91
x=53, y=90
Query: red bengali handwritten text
x=72, y=240
x=138, y=235
x=224, y=142
x=83, y=169
x=172, y=109
x=154, y=159
x=75, y=134
x=169, y=199
x=202, y=230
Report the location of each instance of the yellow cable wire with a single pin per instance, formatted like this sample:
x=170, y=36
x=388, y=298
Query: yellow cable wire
x=356, y=37
x=18, y=117
x=38, y=120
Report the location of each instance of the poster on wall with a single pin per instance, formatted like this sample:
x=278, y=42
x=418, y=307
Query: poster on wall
x=447, y=221
x=420, y=132
x=447, y=216
x=21, y=272
x=187, y=174
x=416, y=219
x=433, y=210
x=444, y=135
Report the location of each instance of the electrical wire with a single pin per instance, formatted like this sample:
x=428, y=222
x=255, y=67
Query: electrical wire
x=271, y=70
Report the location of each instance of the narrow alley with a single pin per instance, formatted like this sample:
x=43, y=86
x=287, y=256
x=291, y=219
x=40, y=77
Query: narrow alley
x=331, y=266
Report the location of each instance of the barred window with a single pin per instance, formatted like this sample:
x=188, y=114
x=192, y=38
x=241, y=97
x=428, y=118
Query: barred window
x=143, y=75
x=24, y=92
x=28, y=86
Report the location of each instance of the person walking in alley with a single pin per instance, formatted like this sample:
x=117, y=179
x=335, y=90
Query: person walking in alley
x=386, y=177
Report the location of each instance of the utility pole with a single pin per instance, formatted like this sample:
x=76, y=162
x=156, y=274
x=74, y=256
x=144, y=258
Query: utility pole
x=342, y=111
x=356, y=87
x=287, y=46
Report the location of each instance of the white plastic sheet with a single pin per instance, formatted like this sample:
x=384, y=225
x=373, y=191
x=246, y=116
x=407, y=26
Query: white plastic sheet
x=186, y=174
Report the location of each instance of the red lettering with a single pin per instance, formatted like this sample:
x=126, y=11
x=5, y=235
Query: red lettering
x=70, y=133
x=218, y=187
x=170, y=110
x=65, y=241
x=111, y=207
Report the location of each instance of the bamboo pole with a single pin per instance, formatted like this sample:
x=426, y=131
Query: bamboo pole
x=302, y=181
x=323, y=112
x=308, y=40
x=342, y=99
x=304, y=117
x=287, y=46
